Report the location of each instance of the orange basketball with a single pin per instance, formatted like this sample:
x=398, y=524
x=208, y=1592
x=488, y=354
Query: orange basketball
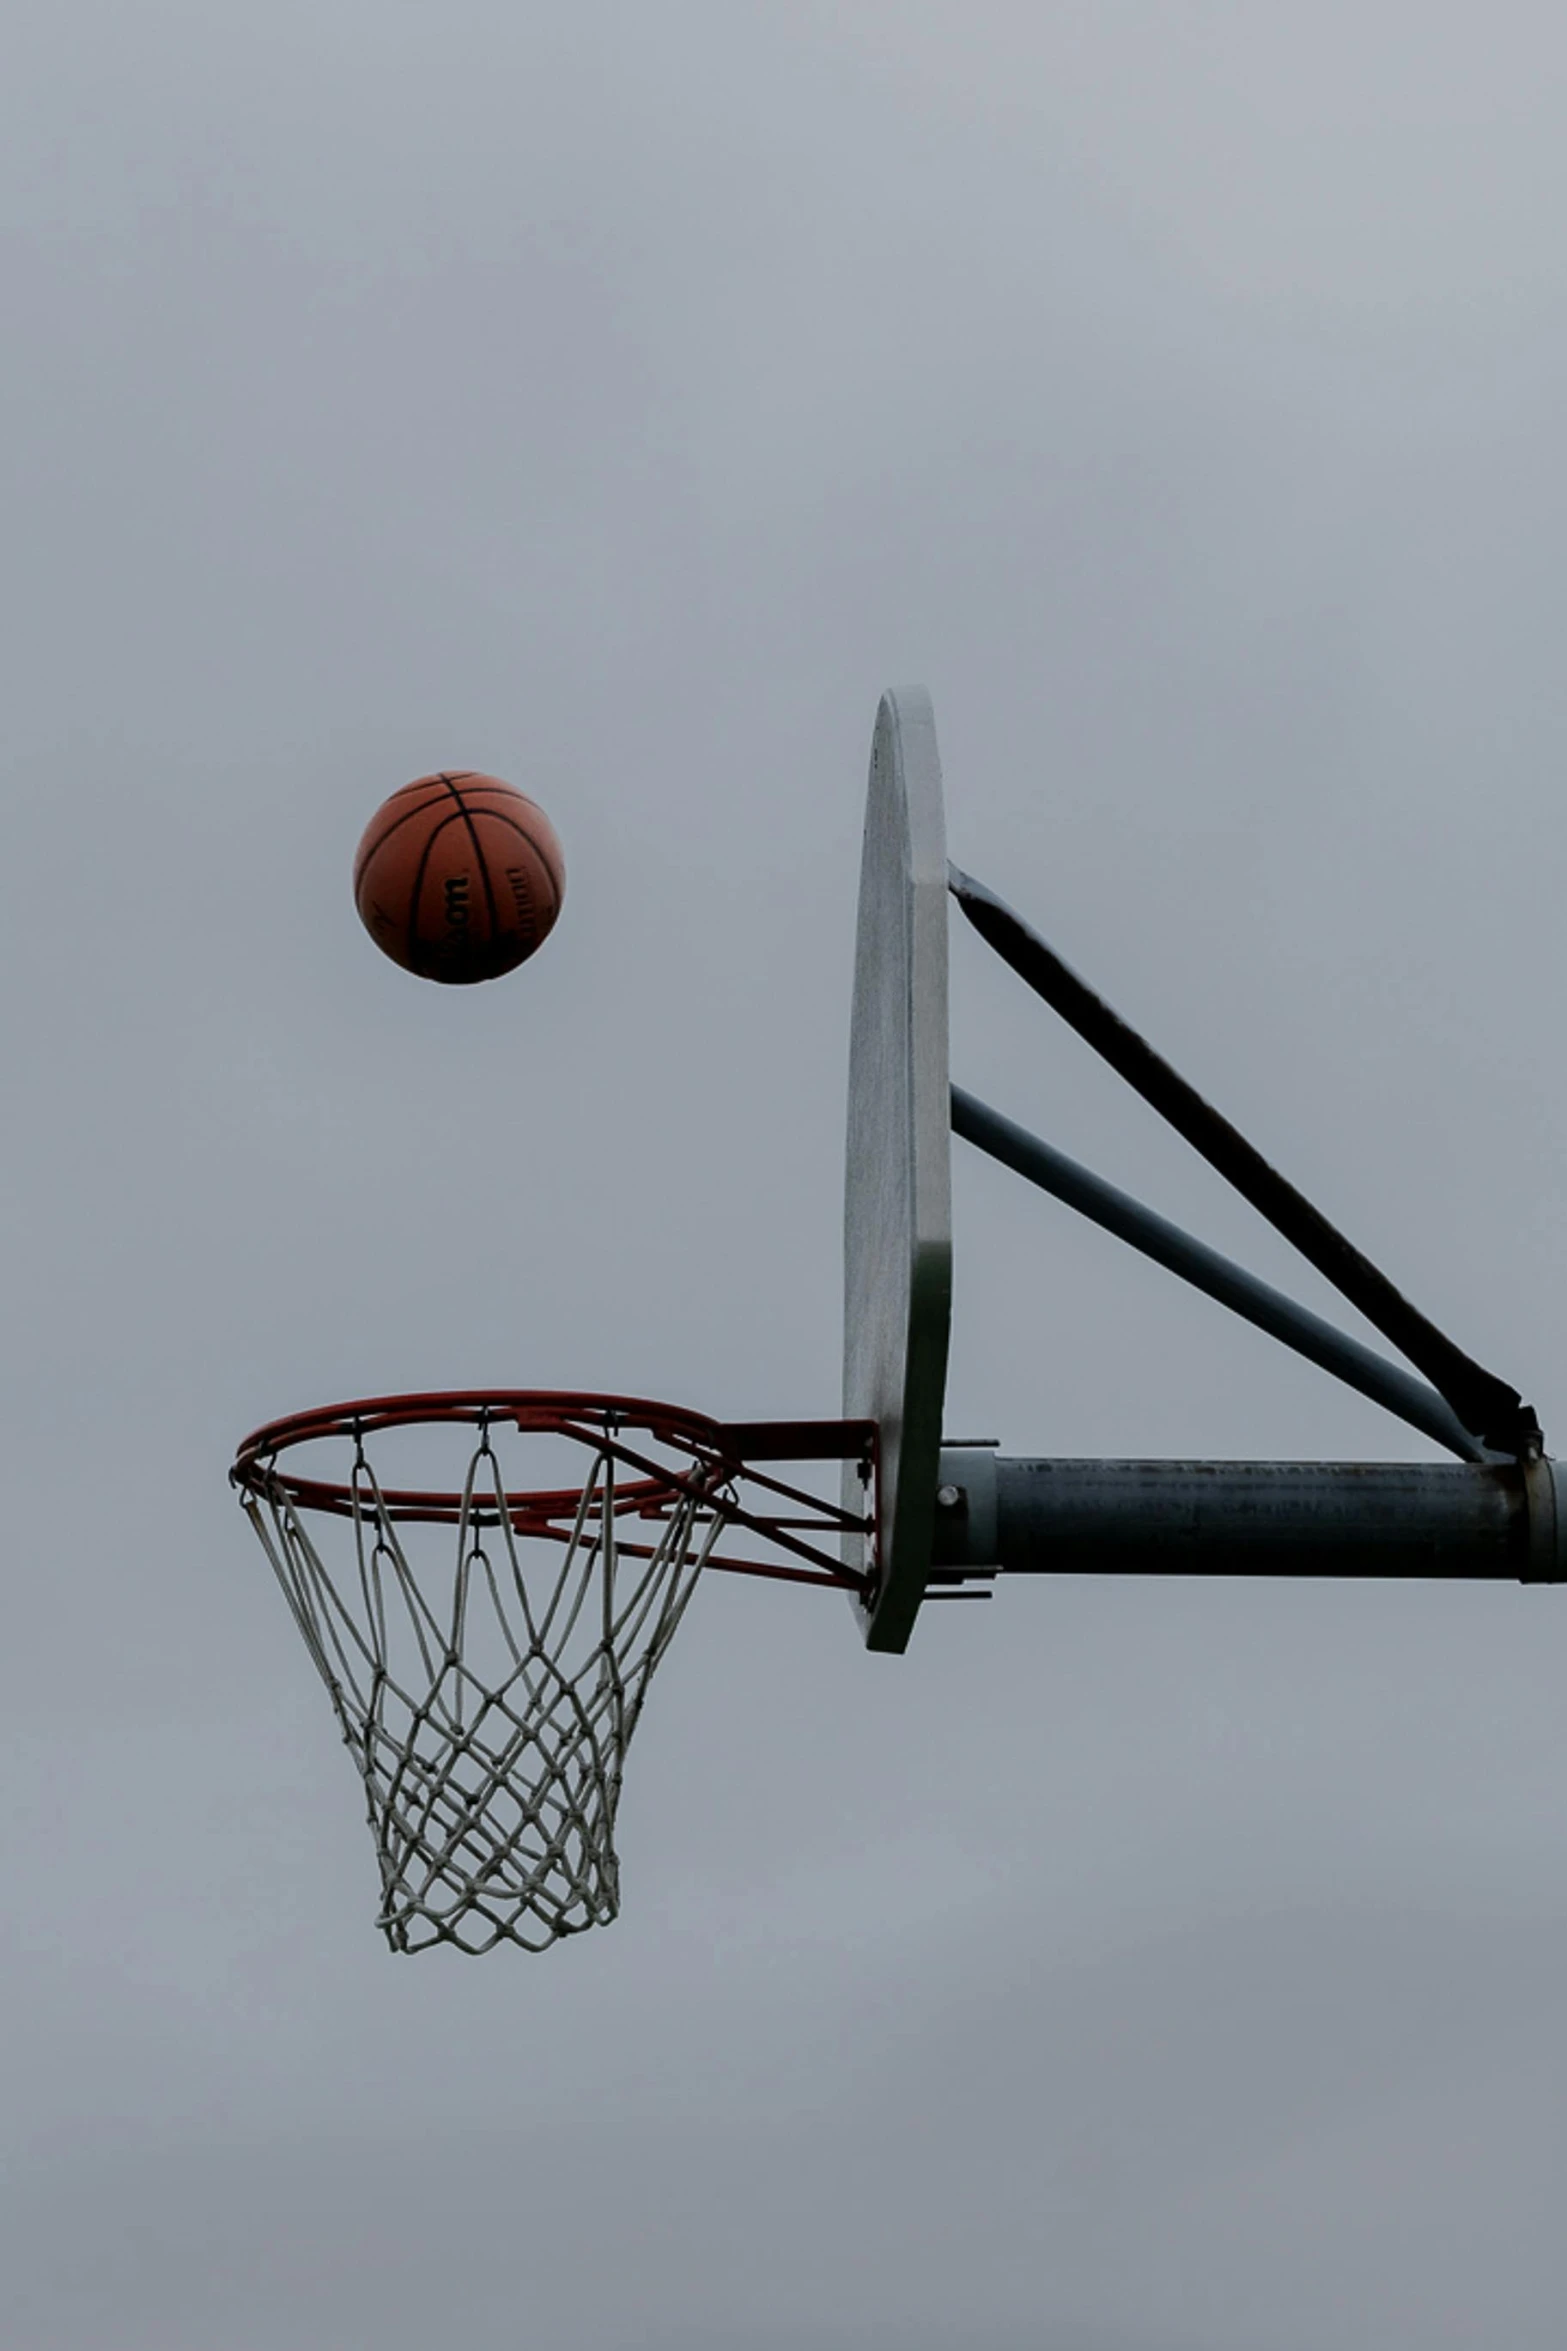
x=459, y=877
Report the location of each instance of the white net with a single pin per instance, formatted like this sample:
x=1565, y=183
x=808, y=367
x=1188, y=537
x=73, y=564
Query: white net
x=488, y=1661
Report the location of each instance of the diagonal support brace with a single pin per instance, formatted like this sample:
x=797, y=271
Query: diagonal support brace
x=1482, y=1402
x=1217, y=1277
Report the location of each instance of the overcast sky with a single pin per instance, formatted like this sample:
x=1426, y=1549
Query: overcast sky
x=618, y=398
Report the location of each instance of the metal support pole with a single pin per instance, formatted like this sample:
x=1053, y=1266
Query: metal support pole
x=1493, y=1521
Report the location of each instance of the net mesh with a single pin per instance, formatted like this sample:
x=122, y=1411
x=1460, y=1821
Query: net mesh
x=488, y=1654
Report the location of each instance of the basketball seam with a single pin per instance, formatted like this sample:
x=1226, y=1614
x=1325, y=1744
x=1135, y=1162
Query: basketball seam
x=417, y=891
x=405, y=816
x=431, y=785
x=506, y=795
x=462, y=816
x=478, y=854
x=516, y=825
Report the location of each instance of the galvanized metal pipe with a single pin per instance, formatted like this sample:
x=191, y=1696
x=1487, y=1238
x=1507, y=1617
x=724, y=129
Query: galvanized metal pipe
x=1494, y=1521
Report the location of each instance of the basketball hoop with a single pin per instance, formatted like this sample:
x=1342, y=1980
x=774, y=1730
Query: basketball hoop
x=487, y=1639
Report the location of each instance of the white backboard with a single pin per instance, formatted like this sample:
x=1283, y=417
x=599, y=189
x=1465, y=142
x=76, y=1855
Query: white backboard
x=898, y=1191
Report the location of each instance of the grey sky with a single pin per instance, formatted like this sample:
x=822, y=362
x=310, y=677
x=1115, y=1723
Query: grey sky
x=618, y=398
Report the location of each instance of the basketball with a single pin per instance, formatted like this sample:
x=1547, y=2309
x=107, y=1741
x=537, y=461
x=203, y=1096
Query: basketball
x=459, y=877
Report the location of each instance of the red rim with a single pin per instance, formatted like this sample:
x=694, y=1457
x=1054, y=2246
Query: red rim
x=718, y=1453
